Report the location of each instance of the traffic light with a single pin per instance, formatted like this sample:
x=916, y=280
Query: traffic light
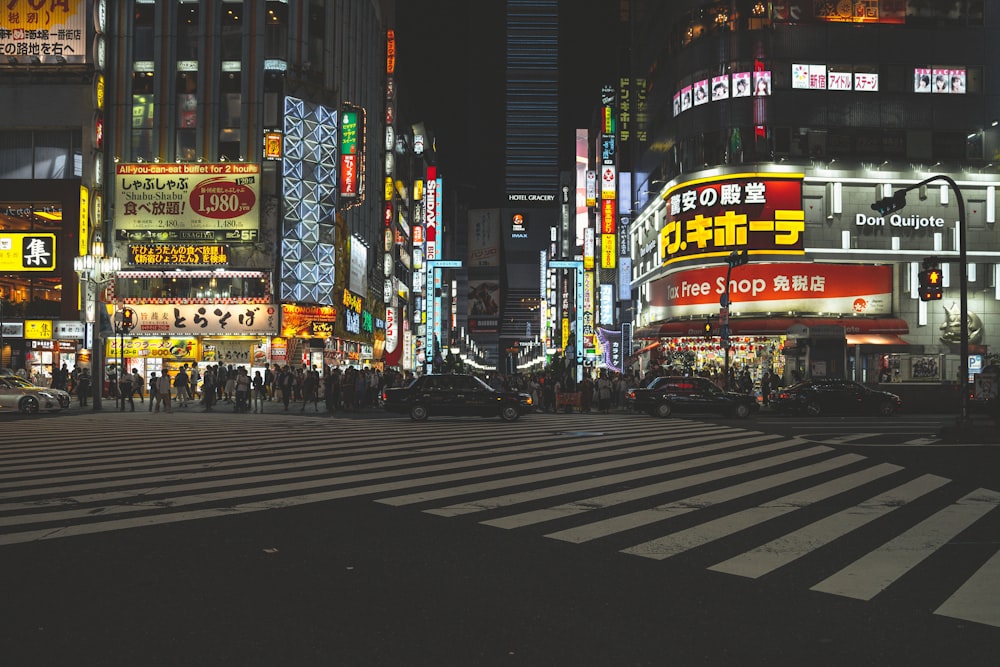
x=738, y=258
x=708, y=328
x=930, y=284
x=128, y=319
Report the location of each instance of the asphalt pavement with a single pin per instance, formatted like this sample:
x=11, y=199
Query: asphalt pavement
x=276, y=574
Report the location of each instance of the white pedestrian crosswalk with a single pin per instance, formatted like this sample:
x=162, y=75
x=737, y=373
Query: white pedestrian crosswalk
x=731, y=500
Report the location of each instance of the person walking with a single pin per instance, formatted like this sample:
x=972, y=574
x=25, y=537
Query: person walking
x=310, y=390
x=765, y=387
x=137, y=384
x=153, y=392
x=125, y=390
x=286, y=380
x=163, y=393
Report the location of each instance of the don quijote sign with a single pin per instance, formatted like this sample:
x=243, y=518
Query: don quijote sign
x=711, y=217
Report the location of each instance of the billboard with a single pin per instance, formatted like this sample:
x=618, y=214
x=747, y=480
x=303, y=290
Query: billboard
x=44, y=33
x=711, y=217
x=187, y=201
x=800, y=287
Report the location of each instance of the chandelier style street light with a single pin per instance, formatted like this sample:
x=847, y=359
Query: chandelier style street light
x=95, y=271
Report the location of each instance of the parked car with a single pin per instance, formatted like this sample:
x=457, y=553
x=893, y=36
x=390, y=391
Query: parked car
x=15, y=397
x=666, y=395
x=833, y=396
x=454, y=395
x=61, y=394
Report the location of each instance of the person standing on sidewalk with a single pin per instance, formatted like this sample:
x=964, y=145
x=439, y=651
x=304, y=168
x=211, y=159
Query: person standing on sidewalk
x=259, y=393
x=125, y=389
x=181, y=385
x=83, y=387
x=163, y=393
x=153, y=392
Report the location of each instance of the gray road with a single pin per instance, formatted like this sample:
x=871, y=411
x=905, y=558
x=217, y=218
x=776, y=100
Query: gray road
x=283, y=538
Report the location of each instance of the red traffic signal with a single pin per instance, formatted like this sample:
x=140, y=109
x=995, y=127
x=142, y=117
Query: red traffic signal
x=930, y=284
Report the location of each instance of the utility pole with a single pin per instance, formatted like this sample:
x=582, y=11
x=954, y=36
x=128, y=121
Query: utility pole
x=736, y=258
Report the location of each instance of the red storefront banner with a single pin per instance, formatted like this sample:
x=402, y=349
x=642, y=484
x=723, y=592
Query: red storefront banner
x=800, y=287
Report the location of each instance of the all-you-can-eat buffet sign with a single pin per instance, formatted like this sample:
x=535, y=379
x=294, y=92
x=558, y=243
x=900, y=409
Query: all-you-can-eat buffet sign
x=189, y=196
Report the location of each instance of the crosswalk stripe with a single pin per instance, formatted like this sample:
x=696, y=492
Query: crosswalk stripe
x=777, y=553
x=690, y=538
x=536, y=494
x=844, y=439
x=89, y=484
x=877, y=570
x=623, y=522
x=976, y=599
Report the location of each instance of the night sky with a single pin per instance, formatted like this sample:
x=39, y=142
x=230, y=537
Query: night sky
x=450, y=74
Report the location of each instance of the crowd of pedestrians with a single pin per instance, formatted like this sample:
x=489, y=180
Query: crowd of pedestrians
x=277, y=387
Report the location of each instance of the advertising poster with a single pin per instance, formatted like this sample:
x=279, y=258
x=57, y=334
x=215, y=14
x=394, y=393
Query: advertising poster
x=701, y=92
x=741, y=84
x=921, y=80
x=762, y=84
x=188, y=201
x=720, y=87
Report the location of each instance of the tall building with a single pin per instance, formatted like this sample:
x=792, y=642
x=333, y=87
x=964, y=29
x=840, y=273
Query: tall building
x=770, y=130
x=531, y=160
x=229, y=153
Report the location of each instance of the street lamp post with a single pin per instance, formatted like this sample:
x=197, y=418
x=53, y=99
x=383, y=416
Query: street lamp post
x=96, y=270
x=896, y=202
x=736, y=258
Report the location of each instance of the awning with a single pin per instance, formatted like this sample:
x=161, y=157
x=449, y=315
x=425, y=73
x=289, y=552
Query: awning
x=876, y=339
x=776, y=326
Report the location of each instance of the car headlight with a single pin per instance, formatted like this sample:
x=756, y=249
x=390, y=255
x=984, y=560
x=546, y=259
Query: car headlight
x=46, y=394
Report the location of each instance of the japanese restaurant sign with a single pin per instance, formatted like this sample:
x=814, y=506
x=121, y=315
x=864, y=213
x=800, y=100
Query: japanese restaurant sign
x=238, y=319
x=164, y=254
x=220, y=200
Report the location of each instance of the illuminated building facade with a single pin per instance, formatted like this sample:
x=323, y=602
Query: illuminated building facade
x=772, y=128
x=221, y=150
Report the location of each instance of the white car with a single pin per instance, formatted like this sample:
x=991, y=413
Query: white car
x=61, y=394
x=17, y=395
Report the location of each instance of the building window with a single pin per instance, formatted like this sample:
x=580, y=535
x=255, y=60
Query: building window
x=232, y=31
x=142, y=115
x=188, y=31
x=142, y=40
x=230, y=102
x=187, y=115
x=276, y=31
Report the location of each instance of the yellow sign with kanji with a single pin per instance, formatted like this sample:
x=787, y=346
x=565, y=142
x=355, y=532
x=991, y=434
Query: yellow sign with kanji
x=38, y=329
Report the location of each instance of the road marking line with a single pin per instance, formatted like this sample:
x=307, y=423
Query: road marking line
x=664, y=547
x=921, y=441
x=777, y=553
x=645, y=517
x=675, y=449
x=977, y=599
x=496, y=502
x=841, y=439
x=870, y=575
